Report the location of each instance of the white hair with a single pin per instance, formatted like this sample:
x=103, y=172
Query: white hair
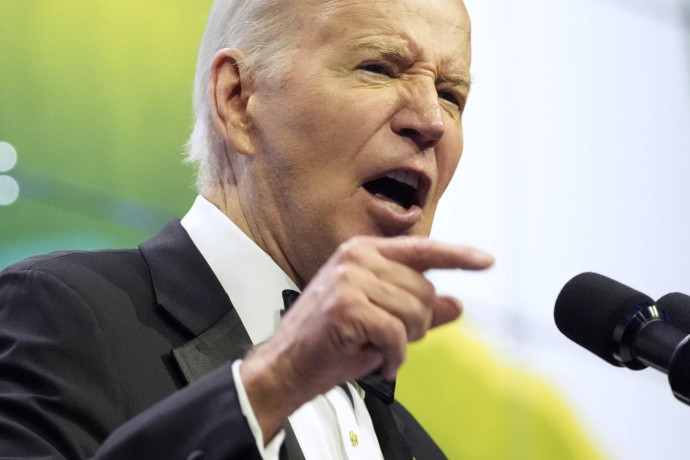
x=261, y=30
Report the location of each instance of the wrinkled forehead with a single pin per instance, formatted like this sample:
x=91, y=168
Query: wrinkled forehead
x=441, y=27
x=453, y=12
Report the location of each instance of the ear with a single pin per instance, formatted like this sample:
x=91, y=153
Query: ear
x=230, y=92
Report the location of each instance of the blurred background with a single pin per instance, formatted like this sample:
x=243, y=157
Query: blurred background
x=576, y=159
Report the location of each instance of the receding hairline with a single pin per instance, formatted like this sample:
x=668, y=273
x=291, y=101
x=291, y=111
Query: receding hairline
x=268, y=47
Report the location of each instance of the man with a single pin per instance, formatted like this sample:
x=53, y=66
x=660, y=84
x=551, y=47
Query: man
x=326, y=132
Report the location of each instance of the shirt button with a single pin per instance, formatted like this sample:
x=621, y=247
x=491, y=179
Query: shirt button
x=354, y=439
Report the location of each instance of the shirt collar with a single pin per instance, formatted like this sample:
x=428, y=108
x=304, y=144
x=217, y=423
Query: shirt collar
x=249, y=276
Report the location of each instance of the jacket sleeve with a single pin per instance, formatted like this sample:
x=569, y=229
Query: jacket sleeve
x=60, y=396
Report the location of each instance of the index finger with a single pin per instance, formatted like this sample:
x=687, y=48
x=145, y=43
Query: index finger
x=422, y=254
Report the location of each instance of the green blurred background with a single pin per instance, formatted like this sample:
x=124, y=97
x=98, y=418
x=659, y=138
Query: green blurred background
x=96, y=99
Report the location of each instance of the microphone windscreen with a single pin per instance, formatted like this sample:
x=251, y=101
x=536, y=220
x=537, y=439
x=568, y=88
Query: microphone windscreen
x=677, y=308
x=590, y=306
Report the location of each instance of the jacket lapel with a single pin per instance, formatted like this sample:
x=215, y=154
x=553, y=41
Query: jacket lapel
x=185, y=286
x=226, y=340
x=189, y=292
x=388, y=429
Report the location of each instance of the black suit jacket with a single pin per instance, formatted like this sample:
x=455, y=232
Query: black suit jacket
x=126, y=354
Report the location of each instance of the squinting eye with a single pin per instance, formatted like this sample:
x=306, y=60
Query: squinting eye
x=376, y=68
x=450, y=97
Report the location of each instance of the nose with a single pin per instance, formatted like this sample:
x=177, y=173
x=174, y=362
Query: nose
x=421, y=118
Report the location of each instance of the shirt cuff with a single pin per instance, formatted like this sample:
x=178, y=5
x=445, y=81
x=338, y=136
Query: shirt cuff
x=271, y=450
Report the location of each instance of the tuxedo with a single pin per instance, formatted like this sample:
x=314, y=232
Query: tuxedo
x=126, y=354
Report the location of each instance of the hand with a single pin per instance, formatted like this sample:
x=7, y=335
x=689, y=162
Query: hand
x=356, y=315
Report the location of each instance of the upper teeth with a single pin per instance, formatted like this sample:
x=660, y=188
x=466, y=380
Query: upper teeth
x=406, y=177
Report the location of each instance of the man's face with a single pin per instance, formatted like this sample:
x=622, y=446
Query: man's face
x=364, y=132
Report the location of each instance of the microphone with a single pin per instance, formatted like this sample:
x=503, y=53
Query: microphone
x=677, y=306
x=625, y=327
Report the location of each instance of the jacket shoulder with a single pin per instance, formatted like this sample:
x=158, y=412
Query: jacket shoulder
x=75, y=264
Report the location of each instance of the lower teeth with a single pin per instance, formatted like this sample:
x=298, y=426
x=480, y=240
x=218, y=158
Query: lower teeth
x=394, y=206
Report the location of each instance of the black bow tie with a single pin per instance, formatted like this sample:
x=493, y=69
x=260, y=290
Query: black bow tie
x=373, y=383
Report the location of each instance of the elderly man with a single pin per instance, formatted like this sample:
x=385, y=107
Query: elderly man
x=326, y=132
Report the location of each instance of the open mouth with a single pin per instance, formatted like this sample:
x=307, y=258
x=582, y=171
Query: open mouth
x=400, y=186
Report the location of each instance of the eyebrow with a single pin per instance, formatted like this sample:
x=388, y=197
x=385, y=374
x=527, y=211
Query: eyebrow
x=462, y=79
x=402, y=50
x=397, y=50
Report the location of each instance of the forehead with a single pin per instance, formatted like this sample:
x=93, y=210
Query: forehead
x=431, y=30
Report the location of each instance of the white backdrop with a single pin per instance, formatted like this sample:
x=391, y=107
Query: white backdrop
x=577, y=158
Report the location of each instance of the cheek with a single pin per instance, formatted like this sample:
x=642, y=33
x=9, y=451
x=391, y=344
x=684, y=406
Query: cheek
x=346, y=120
x=311, y=127
x=448, y=158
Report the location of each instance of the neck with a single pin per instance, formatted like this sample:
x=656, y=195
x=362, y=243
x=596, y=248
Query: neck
x=227, y=200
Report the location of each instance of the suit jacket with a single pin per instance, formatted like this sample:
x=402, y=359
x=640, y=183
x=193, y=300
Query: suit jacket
x=126, y=354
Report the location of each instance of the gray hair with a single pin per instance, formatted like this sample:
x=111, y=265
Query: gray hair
x=258, y=28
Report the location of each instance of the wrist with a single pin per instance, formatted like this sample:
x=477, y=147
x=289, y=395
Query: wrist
x=273, y=391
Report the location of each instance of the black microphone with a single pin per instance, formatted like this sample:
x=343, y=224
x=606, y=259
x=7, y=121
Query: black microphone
x=677, y=306
x=624, y=327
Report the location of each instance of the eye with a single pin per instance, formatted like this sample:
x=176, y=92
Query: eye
x=379, y=69
x=450, y=97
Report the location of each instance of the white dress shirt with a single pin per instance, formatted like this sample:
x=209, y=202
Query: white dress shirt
x=330, y=426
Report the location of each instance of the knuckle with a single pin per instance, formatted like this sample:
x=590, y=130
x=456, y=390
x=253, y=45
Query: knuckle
x=358, y=240
x=346, y=281
x=343, y=274
x=351, y=253
x=399, y=333
x=428, y=290
x=417, y=258
x=415, y=244
x=407, y=243
x=420, y=322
